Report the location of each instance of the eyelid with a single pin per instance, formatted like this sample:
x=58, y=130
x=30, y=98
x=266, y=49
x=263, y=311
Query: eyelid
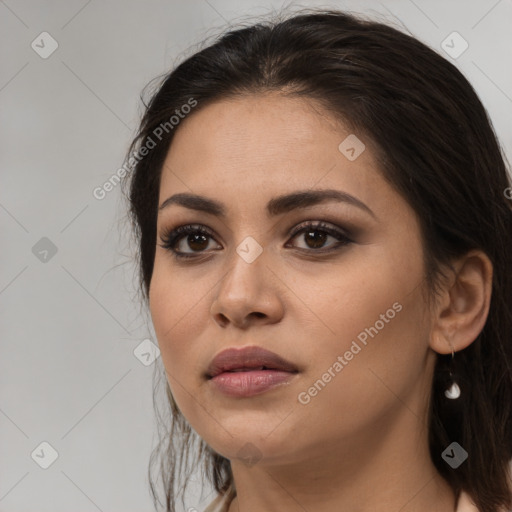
x=348, y=229
x=319, y=225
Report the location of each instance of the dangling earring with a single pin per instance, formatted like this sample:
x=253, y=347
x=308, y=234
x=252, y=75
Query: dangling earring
x=453, y=392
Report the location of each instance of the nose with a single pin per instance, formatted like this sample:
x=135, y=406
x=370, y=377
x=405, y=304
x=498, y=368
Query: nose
x=248, y=293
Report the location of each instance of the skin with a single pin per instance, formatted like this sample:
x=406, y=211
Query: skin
x=361, y=443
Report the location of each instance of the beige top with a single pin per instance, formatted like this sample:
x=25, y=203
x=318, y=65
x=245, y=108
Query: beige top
x=465, y=504
x=218, y=505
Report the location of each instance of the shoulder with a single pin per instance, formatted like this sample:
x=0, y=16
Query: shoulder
x=465, y=503
x=219, y=504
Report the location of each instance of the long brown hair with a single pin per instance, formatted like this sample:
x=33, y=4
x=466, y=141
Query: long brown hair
x=437, y=148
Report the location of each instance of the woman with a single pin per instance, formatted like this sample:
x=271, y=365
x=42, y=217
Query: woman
x=324, y=233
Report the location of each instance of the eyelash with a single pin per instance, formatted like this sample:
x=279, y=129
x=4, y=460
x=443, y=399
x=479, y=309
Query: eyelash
x=171, y=236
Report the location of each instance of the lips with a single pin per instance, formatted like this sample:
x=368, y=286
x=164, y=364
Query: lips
x=248, y=359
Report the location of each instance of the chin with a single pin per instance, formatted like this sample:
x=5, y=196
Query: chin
x=243, y=439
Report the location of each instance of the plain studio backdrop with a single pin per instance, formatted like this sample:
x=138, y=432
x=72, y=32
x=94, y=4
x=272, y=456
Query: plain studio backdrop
x=76, y=372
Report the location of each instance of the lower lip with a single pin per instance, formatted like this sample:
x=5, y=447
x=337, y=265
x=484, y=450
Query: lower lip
x=245, y=384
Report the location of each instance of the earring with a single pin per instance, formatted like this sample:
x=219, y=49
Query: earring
x=453, y=392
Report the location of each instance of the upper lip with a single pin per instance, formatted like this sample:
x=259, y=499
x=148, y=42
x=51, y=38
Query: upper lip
x=248, y=357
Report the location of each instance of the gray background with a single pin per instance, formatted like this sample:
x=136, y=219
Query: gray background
x=70, y=320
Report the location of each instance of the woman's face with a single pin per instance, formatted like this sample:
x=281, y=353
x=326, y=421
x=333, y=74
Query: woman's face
x=349, y=316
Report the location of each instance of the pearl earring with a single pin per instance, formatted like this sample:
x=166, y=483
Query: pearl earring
x=453, y=392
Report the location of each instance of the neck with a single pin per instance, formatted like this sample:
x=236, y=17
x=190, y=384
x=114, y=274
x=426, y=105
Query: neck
x=387, y=468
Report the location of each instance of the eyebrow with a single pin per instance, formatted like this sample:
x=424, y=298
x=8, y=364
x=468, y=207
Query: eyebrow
x=277, y=206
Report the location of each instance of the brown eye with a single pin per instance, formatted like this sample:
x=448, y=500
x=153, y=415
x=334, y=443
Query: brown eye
x=315, y=238
x=197, y=242
x=194, y=236
x=315, y=235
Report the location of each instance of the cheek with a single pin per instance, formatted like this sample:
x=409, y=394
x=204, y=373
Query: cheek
x=370, y=297
x=177, y=312
x=176, y=321
x=378, y=313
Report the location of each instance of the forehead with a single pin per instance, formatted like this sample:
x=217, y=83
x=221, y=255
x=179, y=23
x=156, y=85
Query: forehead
x=265, y=145
x=260, y=125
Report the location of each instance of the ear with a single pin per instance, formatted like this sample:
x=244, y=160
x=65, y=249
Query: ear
x=463, y=305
